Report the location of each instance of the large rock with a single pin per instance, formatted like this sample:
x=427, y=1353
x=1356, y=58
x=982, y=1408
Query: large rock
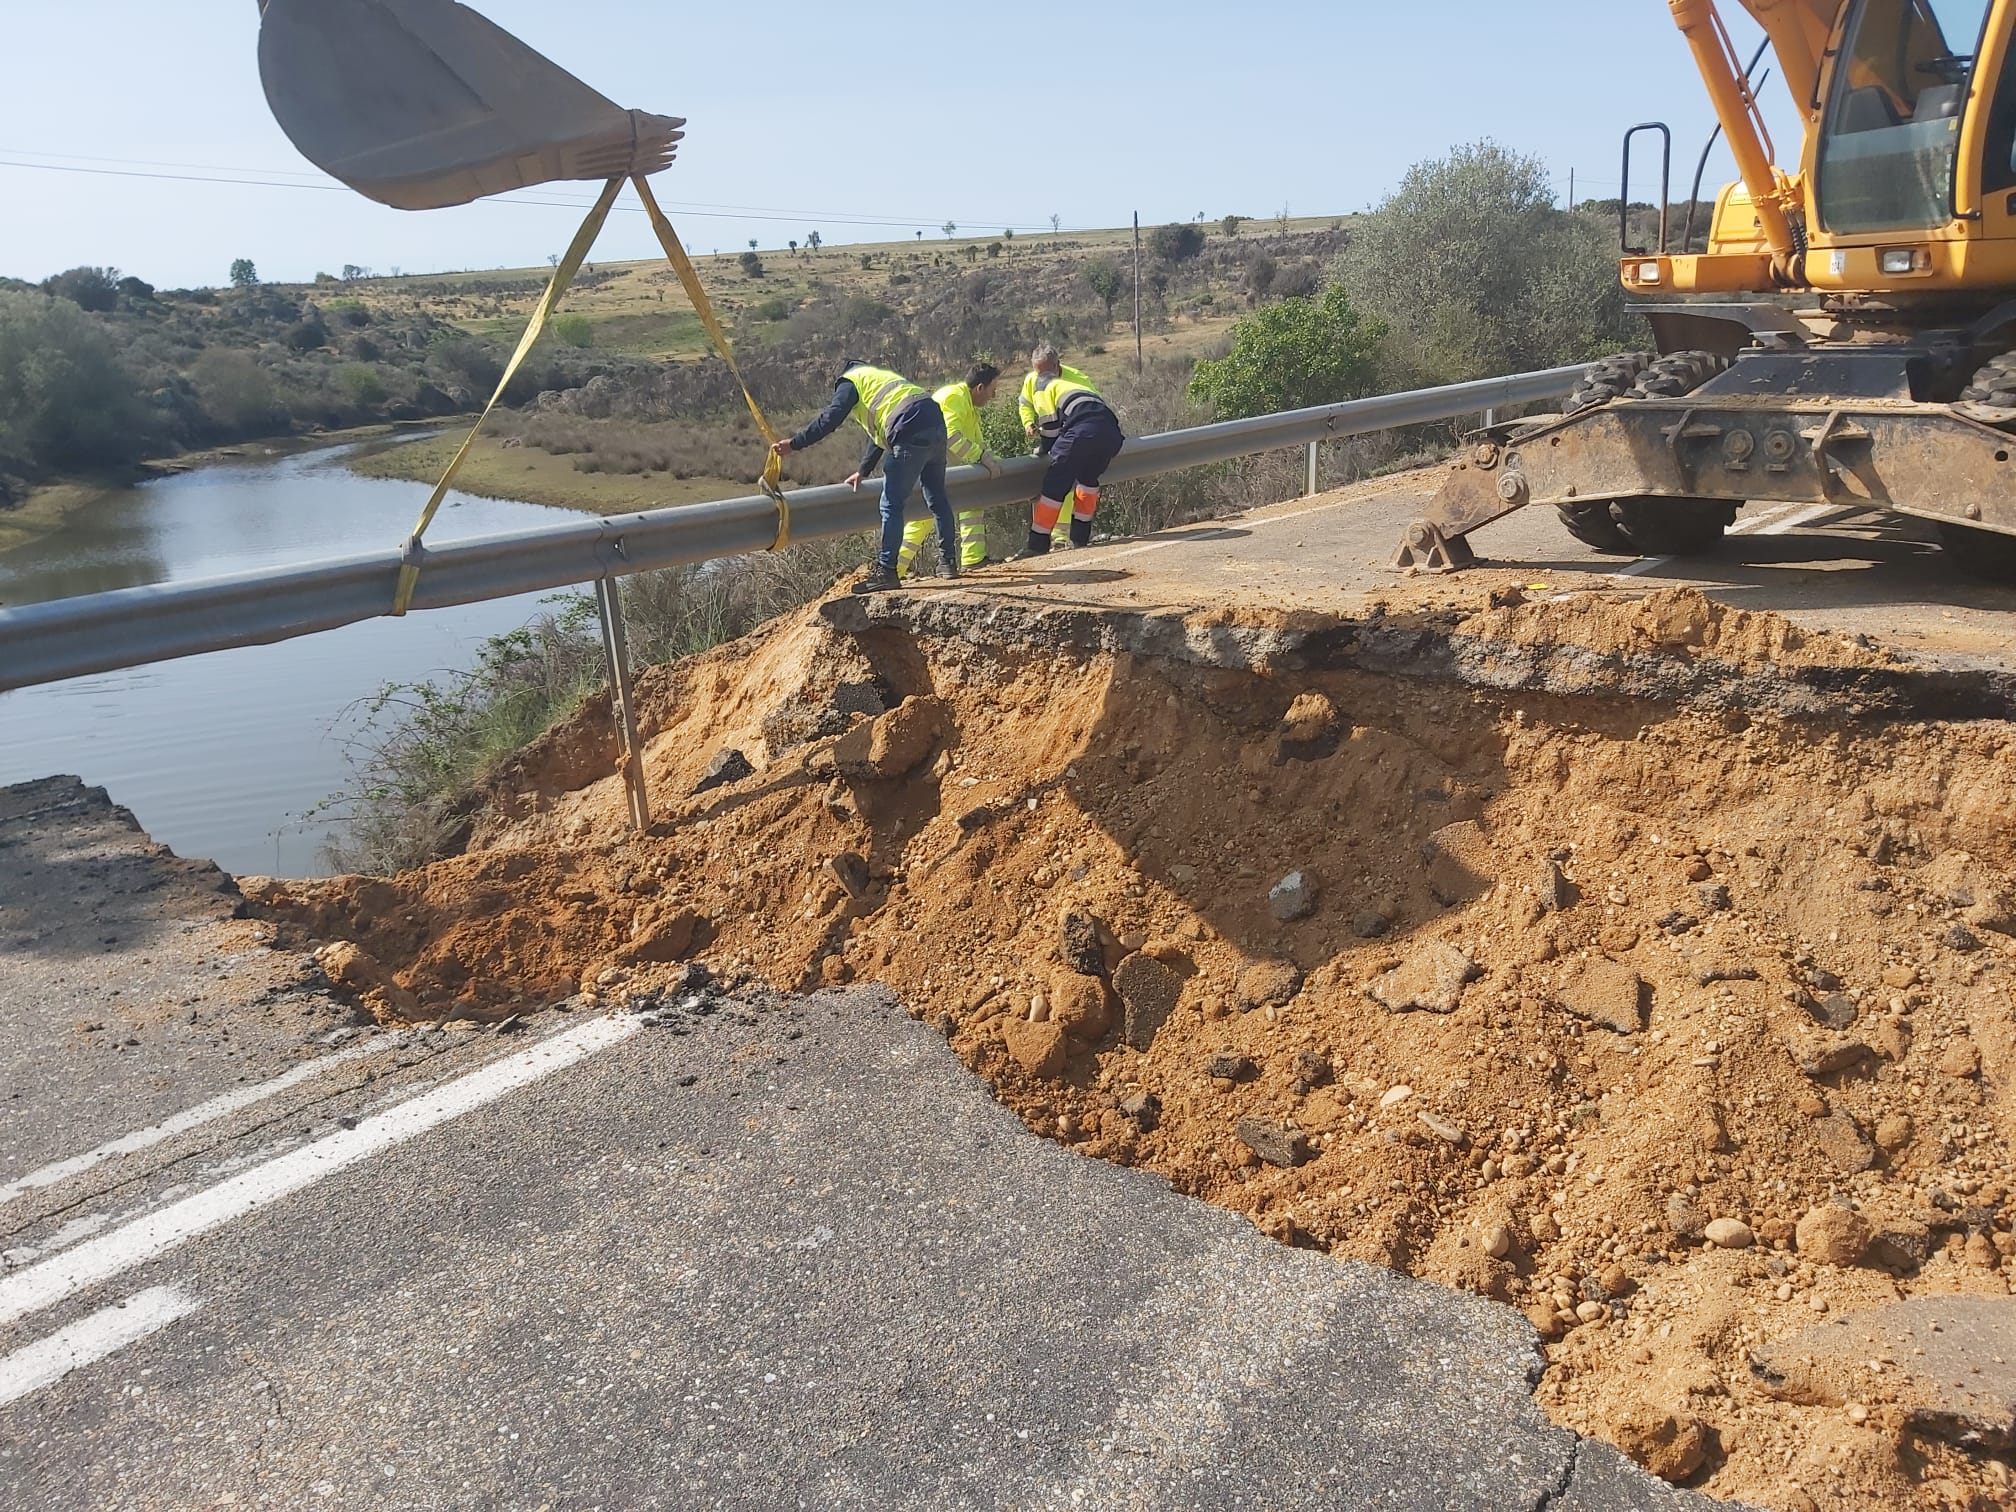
x=728, y=767
x=1279, y=1144
x=1607, y=993
x=355, y=970
x=1949, y=1372
x=1039, y=1049
x=1840, y=1138
x=1148, y=991
x=668, y=939
x=1671, y=1442
x=1266, y=984
x=894, y=744
x=1459, y=862
x=1079, y=943
x=1833, y=1234
x=1432, y=980
x=1292, y=898
x=1080, y=1005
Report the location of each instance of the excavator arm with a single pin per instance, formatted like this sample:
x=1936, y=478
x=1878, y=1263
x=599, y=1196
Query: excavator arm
x=1798, y=30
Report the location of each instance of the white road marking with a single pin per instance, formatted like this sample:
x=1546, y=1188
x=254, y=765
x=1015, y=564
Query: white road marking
x=51, y=1281
x=1807, y=516
x=1204, y=530
x=90, y=1340
x=1769, y=522
x=202, y=1113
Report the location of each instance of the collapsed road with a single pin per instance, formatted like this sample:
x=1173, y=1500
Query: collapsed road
x=1630, y=960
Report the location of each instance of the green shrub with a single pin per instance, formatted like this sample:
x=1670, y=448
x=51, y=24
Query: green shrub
x=1176, y=242
x=1291, y=355
x=771, y=310
x=361, y=384
x=574, y=330
x=95, y=289
x=66, y=399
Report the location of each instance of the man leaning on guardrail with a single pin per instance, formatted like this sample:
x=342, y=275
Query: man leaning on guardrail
x=903, y=421
x=1076, y=429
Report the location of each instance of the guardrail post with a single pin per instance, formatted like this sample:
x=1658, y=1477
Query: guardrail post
x=1490, y=419
x=616, y=648
x=1315, y=456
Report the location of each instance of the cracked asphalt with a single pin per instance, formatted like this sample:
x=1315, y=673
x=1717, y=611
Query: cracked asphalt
x=776, y=1255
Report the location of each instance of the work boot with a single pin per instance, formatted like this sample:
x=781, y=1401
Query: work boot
x=881, y=580
x=1081, y=532
x=1037, y=545
x=949, y=570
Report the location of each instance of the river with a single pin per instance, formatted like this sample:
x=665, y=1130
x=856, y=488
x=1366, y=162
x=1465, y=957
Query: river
x=226, y=756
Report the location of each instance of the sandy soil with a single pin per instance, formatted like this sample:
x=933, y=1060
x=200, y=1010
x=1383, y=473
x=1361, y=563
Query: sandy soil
x=1677, y=1030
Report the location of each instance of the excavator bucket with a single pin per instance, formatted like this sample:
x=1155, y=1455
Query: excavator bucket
x=419, y=104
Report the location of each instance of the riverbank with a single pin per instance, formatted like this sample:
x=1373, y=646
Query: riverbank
x=528, y=475
x=49, y=505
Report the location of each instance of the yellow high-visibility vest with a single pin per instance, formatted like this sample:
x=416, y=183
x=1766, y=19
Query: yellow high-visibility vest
x=882, y=394
x=965, y=440
x=1044, y=401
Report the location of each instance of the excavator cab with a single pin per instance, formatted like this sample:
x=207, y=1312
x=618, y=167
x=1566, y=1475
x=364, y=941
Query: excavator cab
x=1889, y=141
x=1878, y=374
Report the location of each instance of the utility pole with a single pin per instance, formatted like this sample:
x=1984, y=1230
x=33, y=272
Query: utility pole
x=1137, y=293
x=1571, y=191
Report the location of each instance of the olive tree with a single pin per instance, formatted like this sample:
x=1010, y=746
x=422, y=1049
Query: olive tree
x=1475, y=272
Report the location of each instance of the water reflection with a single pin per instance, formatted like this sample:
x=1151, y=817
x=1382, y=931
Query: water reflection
x=224, y=755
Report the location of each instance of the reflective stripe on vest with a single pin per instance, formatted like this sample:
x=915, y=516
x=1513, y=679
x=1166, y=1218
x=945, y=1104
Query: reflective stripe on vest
x=882, y=394
x=965, y=440
x=1033, y=413
x=1058, y=397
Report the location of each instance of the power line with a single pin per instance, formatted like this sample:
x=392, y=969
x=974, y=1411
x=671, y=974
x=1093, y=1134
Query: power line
x=706, y=209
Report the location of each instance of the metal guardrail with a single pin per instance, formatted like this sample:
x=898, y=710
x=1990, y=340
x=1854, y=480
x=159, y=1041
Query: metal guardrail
x=131, y=627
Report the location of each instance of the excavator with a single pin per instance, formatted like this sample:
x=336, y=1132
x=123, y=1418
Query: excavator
x=1845, y=337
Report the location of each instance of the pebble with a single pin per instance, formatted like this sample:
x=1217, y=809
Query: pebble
x=1784, y=1292
x=1497, y=1241
x=1395, y=1096
x=1818, y=1304
x=1440, y=1127
x=1857, y=1413
x=1589, y=1312
x=1729, y=1233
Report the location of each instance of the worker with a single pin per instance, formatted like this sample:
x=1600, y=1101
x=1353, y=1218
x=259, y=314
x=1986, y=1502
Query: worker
x=966, y=446
x=1077, y=430
x=903, y=424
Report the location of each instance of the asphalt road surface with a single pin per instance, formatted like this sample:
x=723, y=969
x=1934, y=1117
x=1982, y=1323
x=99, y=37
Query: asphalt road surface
x=1839, y=570
x=769, y=1255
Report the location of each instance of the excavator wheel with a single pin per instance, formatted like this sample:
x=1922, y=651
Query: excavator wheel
x=1678, y=373
x=1995, y=383
x=1673, y=527
x=1987, y=555
x=1606, y=380
x=1592, y=525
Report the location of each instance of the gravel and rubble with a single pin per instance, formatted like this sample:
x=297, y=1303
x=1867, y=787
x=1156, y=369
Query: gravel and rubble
x=1650, y=970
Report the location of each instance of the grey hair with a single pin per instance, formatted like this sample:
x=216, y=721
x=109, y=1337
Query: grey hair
x=1046, y=354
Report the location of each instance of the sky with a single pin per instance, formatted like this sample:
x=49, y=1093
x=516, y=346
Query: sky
x=865, y=123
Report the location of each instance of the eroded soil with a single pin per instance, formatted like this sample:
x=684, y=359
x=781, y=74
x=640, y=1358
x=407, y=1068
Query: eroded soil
x=1678, y=1023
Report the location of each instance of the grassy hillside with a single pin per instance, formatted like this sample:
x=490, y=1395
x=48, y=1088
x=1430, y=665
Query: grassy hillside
x=151, y=374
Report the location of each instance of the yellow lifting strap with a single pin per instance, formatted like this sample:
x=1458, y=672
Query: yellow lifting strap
x=675, y=253
x=556, y=288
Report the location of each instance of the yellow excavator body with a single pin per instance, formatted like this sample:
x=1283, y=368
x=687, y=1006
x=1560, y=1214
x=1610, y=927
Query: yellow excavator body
x=1872, y=368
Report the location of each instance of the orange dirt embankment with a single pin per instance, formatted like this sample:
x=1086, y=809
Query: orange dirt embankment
x=1678, y=1030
